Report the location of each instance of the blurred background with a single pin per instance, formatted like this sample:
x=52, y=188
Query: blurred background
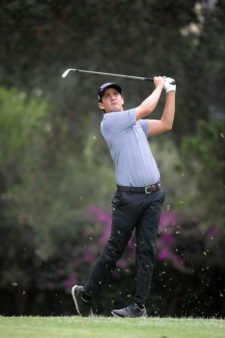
x=56, y=174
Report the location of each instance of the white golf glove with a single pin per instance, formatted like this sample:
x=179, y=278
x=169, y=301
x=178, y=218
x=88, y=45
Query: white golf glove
x=169, y=84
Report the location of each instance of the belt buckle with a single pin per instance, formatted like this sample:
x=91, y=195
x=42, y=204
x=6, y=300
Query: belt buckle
x=146, y=190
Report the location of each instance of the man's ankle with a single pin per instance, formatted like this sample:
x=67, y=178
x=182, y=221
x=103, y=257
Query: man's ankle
x=141, y=306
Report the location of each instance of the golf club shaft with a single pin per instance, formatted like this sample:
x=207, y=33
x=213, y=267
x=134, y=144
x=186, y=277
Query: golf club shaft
x=108, y=74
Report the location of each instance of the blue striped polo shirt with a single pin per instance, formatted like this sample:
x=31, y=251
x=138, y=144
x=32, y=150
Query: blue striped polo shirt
x=127, y=141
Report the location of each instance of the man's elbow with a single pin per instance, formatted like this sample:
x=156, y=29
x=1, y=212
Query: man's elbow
x=168, y=122
x=167, y=126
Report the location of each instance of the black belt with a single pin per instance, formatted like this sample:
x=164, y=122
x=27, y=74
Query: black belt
x=140, y=190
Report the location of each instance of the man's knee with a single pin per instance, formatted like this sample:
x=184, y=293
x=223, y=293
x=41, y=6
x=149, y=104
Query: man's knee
x=112, y=253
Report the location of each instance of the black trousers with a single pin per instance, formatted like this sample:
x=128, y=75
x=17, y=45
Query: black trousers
x=130, y=211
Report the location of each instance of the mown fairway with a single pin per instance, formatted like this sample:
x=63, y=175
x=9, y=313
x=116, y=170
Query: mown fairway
x=105, y=327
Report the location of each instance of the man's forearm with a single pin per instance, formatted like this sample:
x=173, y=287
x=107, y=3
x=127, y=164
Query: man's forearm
x=149, y=104
x=169, y=110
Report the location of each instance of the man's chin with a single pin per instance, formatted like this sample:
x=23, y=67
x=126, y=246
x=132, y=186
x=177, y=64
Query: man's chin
x=117, y=108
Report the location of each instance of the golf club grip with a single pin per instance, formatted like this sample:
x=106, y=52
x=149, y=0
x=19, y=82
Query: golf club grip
x=148, y=79
x=151, y=79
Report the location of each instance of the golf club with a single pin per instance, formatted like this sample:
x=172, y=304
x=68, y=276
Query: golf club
x=109, y=74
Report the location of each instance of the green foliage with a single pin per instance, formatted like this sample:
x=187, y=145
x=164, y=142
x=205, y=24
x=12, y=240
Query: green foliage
x=171, y=169
x=23, y=129
x=22, y=125
x=203, y=156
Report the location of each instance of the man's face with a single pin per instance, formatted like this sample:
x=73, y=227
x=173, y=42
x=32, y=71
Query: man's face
x=112, y=101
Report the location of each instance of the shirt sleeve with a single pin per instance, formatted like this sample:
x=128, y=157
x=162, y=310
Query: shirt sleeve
x=144, y=126
x=119, y=121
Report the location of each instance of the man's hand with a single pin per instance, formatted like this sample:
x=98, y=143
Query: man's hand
x=169, y=85
x=159, y=81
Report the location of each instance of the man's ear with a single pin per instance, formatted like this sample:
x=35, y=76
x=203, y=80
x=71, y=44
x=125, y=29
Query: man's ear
x=101, y=106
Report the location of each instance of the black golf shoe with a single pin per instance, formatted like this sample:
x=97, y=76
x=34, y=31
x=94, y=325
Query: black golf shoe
x=83, y=307
x=132, y=311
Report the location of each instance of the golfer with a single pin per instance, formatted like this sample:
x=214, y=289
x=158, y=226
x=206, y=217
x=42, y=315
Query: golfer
x=137, y=202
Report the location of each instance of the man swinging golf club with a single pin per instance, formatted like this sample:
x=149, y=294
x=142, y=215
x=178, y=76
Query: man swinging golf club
x=139, y=196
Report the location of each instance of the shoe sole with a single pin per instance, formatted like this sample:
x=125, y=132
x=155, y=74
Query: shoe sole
x=73, y=292
x=117, y=316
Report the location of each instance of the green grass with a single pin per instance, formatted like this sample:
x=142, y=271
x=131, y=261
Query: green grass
x=105, y=327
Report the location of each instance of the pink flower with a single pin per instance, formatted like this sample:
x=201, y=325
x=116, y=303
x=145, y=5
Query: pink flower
x=163, y=254
x=88, y=256
x=167, y=219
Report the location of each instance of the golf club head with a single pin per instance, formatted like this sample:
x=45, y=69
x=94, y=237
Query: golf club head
x=67, y=72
